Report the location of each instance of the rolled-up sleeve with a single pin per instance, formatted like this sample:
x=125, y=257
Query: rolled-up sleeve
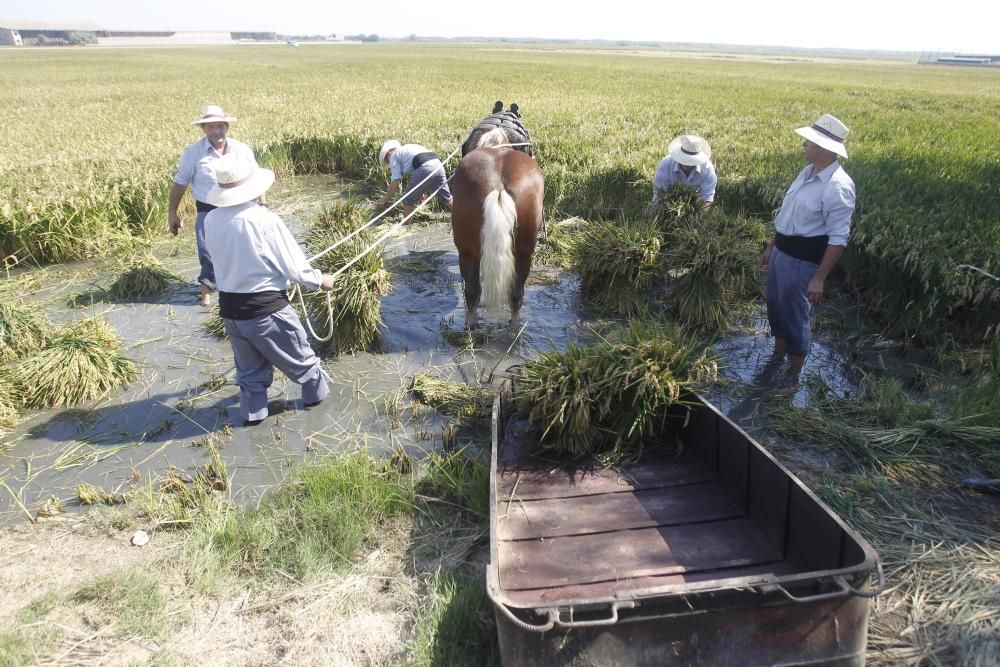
x=706, y=191
x=838, y=207
x=185, y=168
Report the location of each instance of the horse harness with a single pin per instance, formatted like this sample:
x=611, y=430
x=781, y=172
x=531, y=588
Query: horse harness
x=510, y=121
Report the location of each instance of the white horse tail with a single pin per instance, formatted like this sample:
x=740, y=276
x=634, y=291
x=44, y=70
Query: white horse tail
x=496, y=263
x=495, y=137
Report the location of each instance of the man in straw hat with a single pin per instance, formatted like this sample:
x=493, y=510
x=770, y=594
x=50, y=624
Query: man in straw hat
x=811, y=232
x=256, y=260
x=688, y=161
x=195, y=169
x=424, y=168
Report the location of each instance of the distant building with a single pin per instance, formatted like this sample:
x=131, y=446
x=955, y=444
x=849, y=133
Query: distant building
x=55, y=33
x=40, y=33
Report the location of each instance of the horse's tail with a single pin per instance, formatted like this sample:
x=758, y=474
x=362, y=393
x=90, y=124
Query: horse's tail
x=496, y=264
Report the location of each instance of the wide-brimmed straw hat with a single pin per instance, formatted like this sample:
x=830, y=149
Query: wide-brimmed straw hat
x=211, y=113
x=386, y=147
x=828, y=132
x=238, y=180
x=690, y=150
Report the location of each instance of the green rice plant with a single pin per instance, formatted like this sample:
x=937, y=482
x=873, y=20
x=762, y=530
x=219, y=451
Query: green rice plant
x=142, y=275
x=556, y=248
x=615, y=258
x=315, y=522
x=454, y=399
x=83, y=362
x=676, y=203
x=352, y=308
x=461, y=476
x=716, y=260
x=609, y=400
x=24, y=330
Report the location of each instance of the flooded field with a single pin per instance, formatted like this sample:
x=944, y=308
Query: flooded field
x=186, y=397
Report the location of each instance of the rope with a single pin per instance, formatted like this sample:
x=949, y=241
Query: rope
x=296, y=291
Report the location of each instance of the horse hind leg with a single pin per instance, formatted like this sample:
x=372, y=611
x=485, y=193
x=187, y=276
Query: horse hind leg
x=469, y=268
x=523, y=267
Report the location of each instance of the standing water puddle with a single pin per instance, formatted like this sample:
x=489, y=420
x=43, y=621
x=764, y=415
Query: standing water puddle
x=185, y=391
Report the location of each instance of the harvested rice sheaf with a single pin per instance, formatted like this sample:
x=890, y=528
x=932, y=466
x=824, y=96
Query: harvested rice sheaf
x=82, y=363
x=353, y=307
x=678, y=202
x=215, y=326
x=609, y=400
x=143, y=275
x=23, y=331
x=455, y=399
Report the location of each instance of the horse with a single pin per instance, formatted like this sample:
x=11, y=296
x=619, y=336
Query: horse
x=496, y=215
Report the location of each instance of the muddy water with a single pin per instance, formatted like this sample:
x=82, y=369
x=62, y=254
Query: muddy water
x=186, y=391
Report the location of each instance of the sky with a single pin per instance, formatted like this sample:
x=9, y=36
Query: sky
x=955, y=25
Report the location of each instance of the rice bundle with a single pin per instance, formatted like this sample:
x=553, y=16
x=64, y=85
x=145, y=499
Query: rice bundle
x=82, y=363
x=143, y=275
x=678, y=202
x=455, y=399
x=215, y=326
x=8, y=403
x=609, y=400
x=354, y=310
x=617, y=260
x=23, y=331
x=718, y=257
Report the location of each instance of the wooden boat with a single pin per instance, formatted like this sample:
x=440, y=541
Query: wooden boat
x=706, y=551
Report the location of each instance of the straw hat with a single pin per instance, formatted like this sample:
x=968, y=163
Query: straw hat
x=211, y=113
x=690, y=150
x=828, y=132
x=238, y=180
x=386, y=147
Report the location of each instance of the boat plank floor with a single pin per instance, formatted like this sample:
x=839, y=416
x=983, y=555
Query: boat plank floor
x=581, y=559
x=528, y=481
x=557, y=517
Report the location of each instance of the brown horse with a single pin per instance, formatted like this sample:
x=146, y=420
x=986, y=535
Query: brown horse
x=496, y=215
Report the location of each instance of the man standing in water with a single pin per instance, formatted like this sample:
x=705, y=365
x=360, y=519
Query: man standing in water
x=195, y=169
x=811, y=232
x=256, y=260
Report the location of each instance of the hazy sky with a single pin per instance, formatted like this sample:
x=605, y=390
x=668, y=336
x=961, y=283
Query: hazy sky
x=967, y=25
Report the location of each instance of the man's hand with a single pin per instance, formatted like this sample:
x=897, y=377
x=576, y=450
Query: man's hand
x=765, y=259
x=174, y=223
x=327, y=283
x=815, y=289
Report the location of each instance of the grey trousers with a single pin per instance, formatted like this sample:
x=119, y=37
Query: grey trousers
x=788, y=309
x=206, y=276
x=273, y=340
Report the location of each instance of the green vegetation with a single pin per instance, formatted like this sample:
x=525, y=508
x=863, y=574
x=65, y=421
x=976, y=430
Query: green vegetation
x=454, y=399
x=142, y=275
x=129, y=601
x=600, y=120
x=607, y=400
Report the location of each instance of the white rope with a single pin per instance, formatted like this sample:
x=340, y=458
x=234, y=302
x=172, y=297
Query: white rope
x=374, y=244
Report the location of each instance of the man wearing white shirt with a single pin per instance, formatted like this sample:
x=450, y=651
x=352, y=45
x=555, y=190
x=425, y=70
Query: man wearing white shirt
x=811, y=232
x=688, y=161
x=256, y=260
x=424, y=168
x=196, y=169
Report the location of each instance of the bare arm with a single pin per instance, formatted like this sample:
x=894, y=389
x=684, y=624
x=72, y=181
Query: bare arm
x=390, y=194
x=830, y=258
x=174, y=223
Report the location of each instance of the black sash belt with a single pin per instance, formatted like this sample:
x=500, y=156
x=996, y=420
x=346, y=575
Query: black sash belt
x=421, y=158
x=242, y=306
x=807, y=248
x=202, y=207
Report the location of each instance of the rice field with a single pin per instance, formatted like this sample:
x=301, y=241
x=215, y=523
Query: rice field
x=922, y=143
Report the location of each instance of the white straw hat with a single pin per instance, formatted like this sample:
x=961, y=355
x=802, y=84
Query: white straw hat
x=828, y=132
x=386, y=147
x=690, y=150
x=211, y=113
x=238, y=180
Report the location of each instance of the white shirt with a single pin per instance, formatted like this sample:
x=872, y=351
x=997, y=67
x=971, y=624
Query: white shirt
x=253, y=251
x=195, y=168
x=702, y=178
x=401, y=160
x=818, y=205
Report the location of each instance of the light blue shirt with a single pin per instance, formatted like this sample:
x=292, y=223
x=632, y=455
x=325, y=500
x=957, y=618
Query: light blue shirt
x=253, y=251
x=195, y=168
x=818, y=205
x=401, y=160
x=702, y=178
